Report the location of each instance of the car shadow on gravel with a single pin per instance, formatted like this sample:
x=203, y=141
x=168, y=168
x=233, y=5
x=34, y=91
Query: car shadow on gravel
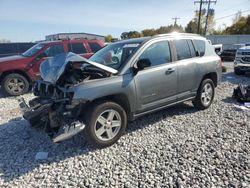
x=20, y=143
x=180, y=109
x=230, y=100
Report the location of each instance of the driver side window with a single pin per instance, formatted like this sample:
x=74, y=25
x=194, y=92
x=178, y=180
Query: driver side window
x=158, y=53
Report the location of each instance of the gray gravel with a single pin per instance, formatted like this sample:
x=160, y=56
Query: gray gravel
x=176, y=147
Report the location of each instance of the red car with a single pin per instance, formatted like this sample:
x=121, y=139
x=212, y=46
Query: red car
x=18, y=72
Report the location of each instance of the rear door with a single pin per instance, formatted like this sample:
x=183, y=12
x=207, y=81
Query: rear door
x=187, y=67
x=94, y=46
x=156, y=85
x=79, y=48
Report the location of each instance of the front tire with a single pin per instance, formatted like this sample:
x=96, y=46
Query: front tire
x=105, y=124
x=15, y=84
x=205, y=95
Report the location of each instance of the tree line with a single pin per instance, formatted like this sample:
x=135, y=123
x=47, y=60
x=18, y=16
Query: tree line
x=240, y=25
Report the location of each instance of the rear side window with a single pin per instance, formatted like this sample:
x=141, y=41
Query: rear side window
x=54, y=50
x=77, y=48
x=94, y=47
x=182, y=49
x=158, y=53
x=200, y=46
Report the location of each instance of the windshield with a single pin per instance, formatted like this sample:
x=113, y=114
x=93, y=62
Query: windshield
x=114, y=55
x=33, y=50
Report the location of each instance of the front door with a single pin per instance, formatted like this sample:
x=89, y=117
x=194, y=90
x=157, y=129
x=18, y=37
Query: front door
x=156, y=85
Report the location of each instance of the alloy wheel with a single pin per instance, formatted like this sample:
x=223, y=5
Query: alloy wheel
x=107, y=125
x=207, y=94
x=15, y=85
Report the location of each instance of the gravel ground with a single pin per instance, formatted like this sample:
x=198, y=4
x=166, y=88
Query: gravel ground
x=176, y=147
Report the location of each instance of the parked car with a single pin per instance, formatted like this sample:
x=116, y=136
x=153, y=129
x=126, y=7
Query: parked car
x=242, y=61
x=18, y=72
x=229, y=54
x=154, y=73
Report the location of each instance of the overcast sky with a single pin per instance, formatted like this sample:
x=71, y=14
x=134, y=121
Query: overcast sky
x=30, y=20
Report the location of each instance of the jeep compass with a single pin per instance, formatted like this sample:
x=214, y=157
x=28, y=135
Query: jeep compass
x=99, y=95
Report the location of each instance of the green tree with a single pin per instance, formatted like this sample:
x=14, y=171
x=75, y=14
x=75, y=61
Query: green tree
x=169, y=29
x=108, y=38
x=193, y=24
x=148, y=32
x=135, y=34
x=124, y=35
x=163, y=29
x=131, y=34
x=242, y=26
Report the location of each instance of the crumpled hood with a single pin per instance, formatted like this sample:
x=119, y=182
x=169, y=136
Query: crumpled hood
x=52, y=68
x=11, y=58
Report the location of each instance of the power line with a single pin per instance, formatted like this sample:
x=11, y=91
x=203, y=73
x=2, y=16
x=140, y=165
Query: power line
x=234, y=6
x=201, y=2
x=232, y=15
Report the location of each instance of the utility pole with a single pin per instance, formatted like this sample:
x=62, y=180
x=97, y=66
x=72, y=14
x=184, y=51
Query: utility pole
x=201, y=2
x=199, y=19
x=175, y=20
x=208, y=12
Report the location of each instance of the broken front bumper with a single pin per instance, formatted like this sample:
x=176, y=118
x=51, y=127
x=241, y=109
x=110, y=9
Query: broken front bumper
x=39, y=115
x=35, y=115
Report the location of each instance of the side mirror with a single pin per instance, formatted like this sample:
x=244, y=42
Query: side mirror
x=143, y=63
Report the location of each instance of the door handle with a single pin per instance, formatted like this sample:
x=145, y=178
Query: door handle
x=169, y=71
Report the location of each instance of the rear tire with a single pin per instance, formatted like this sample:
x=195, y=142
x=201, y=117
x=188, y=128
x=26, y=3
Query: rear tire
x=105, y=124
x=15, y=84
x=205, y=95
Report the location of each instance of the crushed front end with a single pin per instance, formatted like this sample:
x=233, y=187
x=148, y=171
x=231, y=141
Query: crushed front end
x=55, y=108
x=54, y=111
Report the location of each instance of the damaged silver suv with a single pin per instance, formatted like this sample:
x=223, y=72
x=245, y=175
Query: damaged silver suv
x=100, y=95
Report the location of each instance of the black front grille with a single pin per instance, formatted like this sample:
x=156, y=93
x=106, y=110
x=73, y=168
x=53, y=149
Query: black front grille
x=245, y=53
x=46, y=90
x=247, y=59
